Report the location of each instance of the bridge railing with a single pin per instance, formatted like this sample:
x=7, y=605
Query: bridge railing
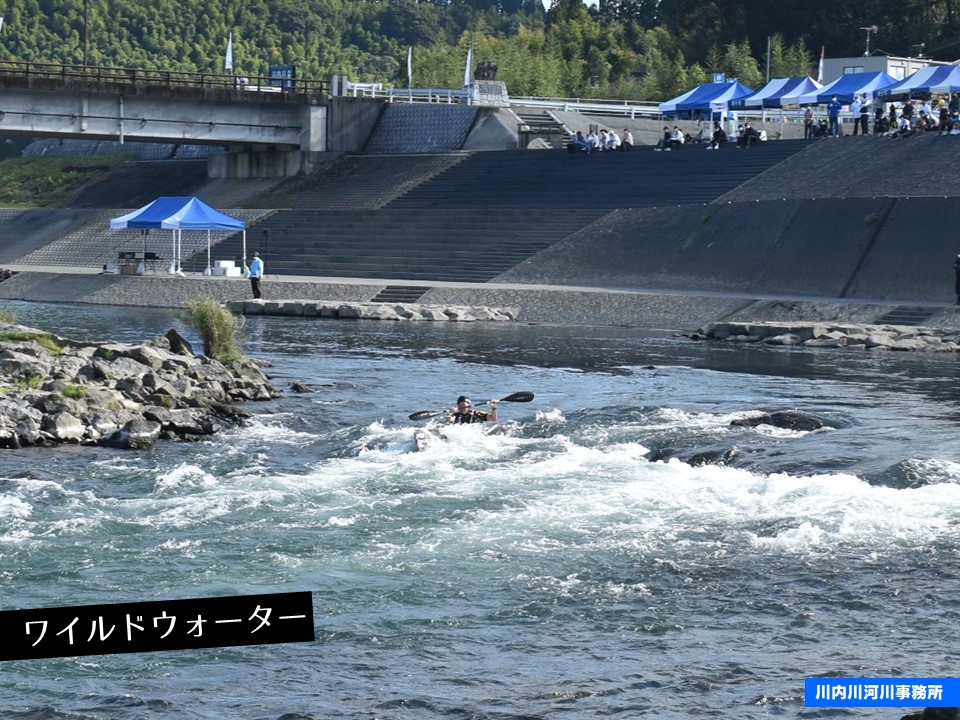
x=625, y=108
x=165, y=78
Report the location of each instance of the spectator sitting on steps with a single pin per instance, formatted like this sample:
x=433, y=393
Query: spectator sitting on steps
x=719, y=137
x=749, y=137
x=577, y=143
x=664, y=143
x=676, y=138
x=904, y=130
x=593, y=142
x=626, y=143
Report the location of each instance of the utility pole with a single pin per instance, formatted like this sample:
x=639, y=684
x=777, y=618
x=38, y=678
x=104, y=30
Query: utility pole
x=870, y=29
x=86, y=34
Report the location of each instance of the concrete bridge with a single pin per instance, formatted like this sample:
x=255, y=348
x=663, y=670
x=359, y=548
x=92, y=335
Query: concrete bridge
x=268, y=131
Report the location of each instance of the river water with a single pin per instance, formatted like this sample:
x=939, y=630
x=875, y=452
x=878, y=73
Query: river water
x=582, y=564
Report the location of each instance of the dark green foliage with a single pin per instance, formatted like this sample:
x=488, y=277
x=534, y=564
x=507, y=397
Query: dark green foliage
x=630, y=49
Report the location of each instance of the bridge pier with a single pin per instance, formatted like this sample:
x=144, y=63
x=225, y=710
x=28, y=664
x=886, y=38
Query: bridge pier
x=255, y=163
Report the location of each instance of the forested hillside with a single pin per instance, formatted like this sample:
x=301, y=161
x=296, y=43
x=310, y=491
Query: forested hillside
x=631, y=49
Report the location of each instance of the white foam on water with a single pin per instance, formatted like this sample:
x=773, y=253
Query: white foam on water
x=561, y=493
x=932, y=471
x=553, y=415
x=185, y=478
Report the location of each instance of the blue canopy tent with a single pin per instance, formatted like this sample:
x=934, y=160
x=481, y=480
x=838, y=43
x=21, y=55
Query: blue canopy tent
x=178, y=214
x=715, y=97
x=925, y=81
x=847, y=86
x=670, y=106
x=778, y=93
x=709, y=96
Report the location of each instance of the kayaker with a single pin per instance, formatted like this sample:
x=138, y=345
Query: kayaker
x=465, y=413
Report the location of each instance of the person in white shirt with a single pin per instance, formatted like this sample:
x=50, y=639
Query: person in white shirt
x=626, y=143
x=855, y=113
x=256, y=273
x=593, y=142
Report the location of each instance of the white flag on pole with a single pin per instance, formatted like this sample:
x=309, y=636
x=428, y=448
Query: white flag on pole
x=820, y=69
x=1, y=22
x=228, y=61
x=410, y=66
x=467, y=73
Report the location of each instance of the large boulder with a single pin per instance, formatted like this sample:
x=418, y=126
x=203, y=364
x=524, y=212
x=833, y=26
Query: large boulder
x=786, y=420
x=137, y=434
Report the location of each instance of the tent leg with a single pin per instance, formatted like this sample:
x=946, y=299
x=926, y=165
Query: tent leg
x=179, y=251
x=209, y=270
x=172, y=267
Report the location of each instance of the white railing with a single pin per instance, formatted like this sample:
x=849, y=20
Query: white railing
x=626, y=108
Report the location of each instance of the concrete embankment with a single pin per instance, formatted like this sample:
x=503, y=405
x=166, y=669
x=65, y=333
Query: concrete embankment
x=769, y=250
x=653, y=310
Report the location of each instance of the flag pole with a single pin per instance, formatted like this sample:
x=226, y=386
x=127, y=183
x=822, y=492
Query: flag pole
x=410, y=73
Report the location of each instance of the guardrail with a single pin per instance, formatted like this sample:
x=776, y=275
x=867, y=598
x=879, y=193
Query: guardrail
x=626, y=108
x=97, y=74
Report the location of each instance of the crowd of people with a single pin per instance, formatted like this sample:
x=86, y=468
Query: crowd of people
x=604, y=140
x=899, y=121
x=893, y=120
x=747, y=136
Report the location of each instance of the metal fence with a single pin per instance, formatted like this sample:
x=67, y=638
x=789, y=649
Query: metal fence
x=26, y=72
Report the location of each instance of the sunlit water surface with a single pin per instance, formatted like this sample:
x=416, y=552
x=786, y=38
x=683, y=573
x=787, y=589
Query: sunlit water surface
x=585, y=563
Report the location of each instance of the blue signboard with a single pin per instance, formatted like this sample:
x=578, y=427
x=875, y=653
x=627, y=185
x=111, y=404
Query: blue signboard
x=283, y=76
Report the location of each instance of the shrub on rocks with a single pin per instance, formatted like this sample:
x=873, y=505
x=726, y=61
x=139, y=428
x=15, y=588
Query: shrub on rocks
x=217, y=327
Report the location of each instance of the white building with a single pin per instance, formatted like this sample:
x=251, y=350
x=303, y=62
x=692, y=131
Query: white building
x=896, y=67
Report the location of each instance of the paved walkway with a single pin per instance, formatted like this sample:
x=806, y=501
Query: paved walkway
x=653, y=310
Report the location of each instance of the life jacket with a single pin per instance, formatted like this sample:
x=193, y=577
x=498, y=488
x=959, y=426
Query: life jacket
x=467, y=418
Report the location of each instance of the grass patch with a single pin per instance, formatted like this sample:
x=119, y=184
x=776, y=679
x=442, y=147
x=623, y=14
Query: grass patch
x=45, y=340
x=51, y=182
x=28, y=381
x=217, y=327
x=75, y=392
x=7, y=316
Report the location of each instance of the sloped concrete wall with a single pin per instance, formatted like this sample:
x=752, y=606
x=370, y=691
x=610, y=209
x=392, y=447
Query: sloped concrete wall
x=865, y=248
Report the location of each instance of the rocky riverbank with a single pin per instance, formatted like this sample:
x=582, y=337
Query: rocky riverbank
x=856, y=336
x=371, y=310
x=56, y=390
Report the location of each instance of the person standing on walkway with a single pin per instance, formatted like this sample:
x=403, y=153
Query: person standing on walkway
x=256, y=273
x=808, y=123
x=855, y=113
x=833, y=116
x=864, y=114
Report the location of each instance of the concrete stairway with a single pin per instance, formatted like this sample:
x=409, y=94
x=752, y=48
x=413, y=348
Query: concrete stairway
x=610, y=180
x=488, y=212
